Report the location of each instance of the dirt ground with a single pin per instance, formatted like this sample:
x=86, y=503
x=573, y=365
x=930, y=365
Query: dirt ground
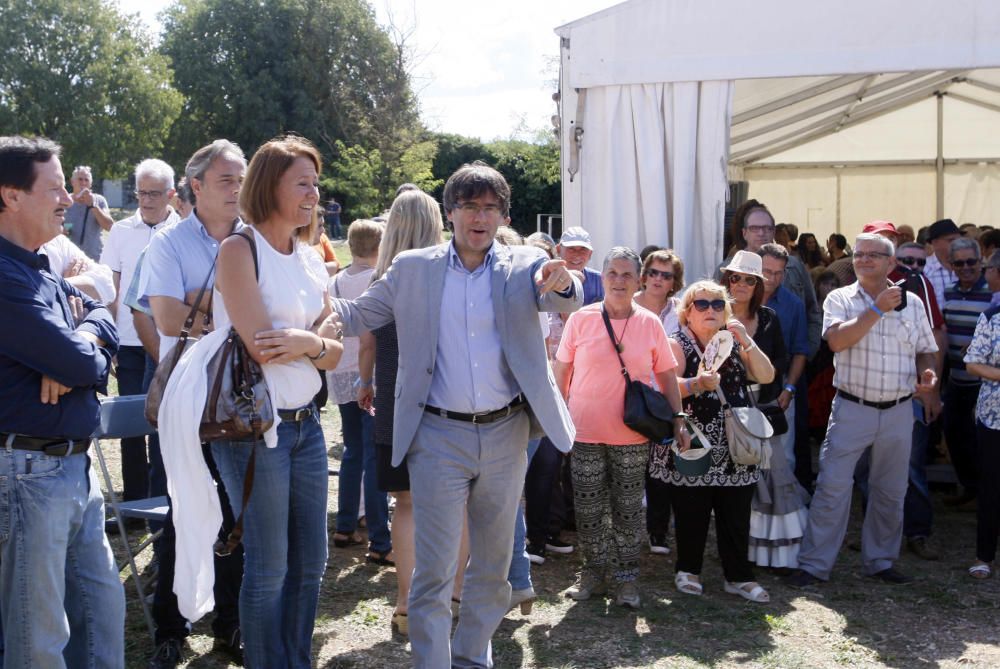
x=944, y=619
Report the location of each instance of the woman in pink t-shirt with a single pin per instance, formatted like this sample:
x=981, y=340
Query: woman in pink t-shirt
x=609, y=459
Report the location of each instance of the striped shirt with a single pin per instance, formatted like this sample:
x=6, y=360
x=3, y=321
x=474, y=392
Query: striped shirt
x=962, y=309
x=881, y=367
x=940, y=277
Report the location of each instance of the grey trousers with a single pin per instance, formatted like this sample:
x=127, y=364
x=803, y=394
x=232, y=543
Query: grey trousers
x=457, y=468
x=851, y=429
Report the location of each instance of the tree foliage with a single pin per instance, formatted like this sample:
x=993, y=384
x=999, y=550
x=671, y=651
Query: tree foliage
x=325, y=69
x=83, y=74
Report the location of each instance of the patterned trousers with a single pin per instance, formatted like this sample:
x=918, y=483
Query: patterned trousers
x=607, y=490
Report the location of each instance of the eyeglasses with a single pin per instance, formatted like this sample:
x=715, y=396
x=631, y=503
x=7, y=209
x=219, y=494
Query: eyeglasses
x=910, y=261
x=968, y=262
x=151, y=194
x=472, y=209
x=745, y=278
x=759, y=229
x=654, y=273
x=703, y=305
x=870, y=255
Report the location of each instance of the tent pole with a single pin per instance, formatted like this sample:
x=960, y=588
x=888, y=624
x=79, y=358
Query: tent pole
x=939, y=163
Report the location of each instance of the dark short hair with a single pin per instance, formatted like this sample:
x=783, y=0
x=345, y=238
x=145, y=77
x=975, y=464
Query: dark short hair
x=839, y=240
x=18, y=156
x=646, y=250
x=990, y=238
x=405, y=187
x=774, y=250
x=473, y=180
x=184, y=191
x=740, y=219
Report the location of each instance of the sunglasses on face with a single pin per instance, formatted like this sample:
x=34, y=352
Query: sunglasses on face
x=703, y=305
x=745, y=278
x=654, y=273
x=910, y=262
x=968, y=262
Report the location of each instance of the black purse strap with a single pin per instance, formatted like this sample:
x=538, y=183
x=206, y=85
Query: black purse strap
x=614, y=343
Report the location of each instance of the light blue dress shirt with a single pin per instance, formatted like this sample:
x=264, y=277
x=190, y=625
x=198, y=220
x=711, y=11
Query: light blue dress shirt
x=471, y=374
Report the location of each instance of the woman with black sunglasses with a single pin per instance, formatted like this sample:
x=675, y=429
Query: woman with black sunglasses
x=727, y=488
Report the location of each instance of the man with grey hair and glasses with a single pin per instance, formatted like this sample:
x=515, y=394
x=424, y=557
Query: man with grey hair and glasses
x=89, y=214
x=883, y=355
x=154, y=182
x=965, y=300
x=177, y=262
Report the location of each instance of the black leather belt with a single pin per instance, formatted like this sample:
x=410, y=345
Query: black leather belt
x=49, y=446
x=296, y=415
x=875, y=405
x=484, y=417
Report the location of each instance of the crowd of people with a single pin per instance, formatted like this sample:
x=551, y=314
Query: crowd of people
x=480, y=384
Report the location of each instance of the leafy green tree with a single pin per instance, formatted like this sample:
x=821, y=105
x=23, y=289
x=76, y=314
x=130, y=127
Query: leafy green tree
x=82, y=73
x=324, y=69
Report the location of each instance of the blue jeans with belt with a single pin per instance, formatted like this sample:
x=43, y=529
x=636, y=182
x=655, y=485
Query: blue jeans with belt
x=61, y=600
x=284, y=539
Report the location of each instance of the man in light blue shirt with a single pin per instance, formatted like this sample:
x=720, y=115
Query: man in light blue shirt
x=473, y=384
x=176, y=265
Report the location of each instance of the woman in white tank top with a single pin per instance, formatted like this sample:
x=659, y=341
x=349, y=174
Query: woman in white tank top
x=280, y=315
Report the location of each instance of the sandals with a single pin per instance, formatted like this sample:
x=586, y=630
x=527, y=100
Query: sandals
x=342, y=540
x=383, y=559
x=981, y=571
x=749, y=590
x=685, y=583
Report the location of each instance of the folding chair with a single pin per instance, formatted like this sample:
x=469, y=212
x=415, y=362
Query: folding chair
x=123, y=417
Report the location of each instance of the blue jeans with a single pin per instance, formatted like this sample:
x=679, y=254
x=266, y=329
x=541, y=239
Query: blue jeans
x=284, y=540
x=519, y=574
x=359, y=455
x=61, y=599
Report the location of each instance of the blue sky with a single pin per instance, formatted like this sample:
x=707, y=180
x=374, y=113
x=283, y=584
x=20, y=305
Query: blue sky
x=477, y=72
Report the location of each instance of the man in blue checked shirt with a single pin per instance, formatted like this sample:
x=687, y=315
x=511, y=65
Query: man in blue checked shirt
x=56, y=347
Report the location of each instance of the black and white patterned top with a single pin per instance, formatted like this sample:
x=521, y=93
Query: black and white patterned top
x=705, y=410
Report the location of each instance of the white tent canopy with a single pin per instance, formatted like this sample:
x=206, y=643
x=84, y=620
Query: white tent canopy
x=893, y=101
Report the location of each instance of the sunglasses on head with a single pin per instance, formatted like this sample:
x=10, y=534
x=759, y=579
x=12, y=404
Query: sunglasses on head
x=968, y=262
x=654, y=273
x=703, y=305
x=910, y=262
x=745, y=278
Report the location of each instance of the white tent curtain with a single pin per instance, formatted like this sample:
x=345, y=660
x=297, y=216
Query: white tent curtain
x=655, y=156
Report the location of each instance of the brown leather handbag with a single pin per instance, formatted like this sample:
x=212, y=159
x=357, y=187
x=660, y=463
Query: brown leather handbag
x=237, y=404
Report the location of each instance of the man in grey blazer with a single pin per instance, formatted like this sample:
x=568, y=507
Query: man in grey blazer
x=473, y=383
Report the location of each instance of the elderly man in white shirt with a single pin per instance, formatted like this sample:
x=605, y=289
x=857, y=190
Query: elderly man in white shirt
x=154, y=180
x=880, y=343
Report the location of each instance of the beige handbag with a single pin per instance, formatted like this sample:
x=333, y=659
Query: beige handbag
x=748, y=431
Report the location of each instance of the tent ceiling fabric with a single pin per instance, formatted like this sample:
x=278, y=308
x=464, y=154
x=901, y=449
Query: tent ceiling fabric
x=772, y=117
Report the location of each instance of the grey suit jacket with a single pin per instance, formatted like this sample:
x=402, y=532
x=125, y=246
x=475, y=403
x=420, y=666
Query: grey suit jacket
x=410, y=294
